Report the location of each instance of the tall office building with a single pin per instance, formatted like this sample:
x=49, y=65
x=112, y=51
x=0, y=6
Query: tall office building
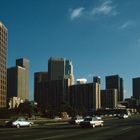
x=3, y=63
x=136, y=88
x=18, y=80
x=121, y=89
x=97, y=82
x=40, y=88
x=57, y=94
x=50, y=94
x=51, y=88
x=109, y=98
x=60, y=73
x=60, y=69
x=115, y=82
x=24, y=63
x=56, y=69
x=85, y=96
x=69, y=71
x=97, y=79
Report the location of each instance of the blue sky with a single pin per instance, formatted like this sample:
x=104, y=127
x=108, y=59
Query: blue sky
x=101, y=37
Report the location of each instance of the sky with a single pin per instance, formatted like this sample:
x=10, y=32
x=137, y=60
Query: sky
x=100, y=37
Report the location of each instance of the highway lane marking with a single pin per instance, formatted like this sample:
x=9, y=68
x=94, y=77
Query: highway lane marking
x=51, y=137
x=15, y=136
x=69, y=135
x=124, y=129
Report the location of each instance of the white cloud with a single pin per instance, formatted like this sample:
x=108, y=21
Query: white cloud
x=106, y=8
x=76, y=13
x=127, y=24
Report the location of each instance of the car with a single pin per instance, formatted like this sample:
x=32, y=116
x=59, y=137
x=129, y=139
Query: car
x=76, y=120
x=20, y=122
x=98, y=117
x=57, y=118
x=123, y=116
x=91, y=122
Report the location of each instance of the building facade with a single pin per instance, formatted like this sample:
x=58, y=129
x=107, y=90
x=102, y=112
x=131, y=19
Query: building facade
x=56, y=69
x=18, y=81
x=85, y=97
x=14, y=102
x=136, y=87
x=109, y=98
x=115, y=82
x=57, y=94
x=24, y=63
x=51, y=89
x=81, y=81
x=69, y=71
x=3, y=64
x=40, y=89
x=60, y=69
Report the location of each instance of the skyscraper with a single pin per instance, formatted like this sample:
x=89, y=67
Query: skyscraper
x=69, y=71
x=97, y=79
x=56, y=69
x=109, y=98
x=51, y=88
x=136, y=88
x=115, y=82
x=3, y=63
x=18, y=80
x=24, y=63
x=40, y=88
x=60, y=69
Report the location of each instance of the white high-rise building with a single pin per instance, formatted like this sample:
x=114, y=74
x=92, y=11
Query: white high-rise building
x=3, y=65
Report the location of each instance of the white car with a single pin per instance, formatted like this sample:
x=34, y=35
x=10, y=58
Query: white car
x=19, y=123
x=98, y=117
x=91, y=122
x=76, y=120
x=57, y=118
x=123, y=116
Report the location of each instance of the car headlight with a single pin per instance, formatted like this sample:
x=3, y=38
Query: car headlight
x=14, y=123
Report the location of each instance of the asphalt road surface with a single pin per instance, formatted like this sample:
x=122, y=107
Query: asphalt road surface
x=113, y=129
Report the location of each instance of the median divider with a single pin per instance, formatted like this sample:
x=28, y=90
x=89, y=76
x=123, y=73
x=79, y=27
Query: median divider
x=49, y=121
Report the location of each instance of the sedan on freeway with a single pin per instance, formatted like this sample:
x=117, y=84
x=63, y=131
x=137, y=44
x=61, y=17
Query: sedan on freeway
x=123, y=116
x=76, y=120
x=19, y=123
x=91, y=122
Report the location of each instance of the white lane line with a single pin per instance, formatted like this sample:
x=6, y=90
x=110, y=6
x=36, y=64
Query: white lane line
x=15, y=136
x=51, y=137
x=68, y=135
x=124, y=129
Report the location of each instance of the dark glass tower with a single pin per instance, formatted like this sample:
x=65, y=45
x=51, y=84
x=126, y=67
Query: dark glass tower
x=115, y=82
x=136, y=88
x=56, y=69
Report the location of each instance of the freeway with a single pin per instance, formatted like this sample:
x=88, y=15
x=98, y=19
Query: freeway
x=113, y=129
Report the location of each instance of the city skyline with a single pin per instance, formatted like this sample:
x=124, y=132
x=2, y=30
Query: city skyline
x=101, y=37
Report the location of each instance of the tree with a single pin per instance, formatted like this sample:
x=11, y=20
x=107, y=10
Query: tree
x=28, y=108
